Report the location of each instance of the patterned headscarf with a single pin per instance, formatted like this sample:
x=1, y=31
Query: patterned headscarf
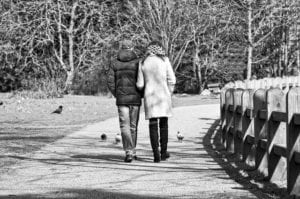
x=156, y=50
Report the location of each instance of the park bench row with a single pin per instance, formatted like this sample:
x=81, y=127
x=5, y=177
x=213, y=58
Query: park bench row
x=260, y=123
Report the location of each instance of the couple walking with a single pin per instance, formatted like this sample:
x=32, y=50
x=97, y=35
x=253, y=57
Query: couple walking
x=151, y=78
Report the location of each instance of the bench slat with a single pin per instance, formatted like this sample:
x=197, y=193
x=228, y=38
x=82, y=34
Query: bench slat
x=280, y=150
x=297, y=118
x=279, y=116
x=297, y=157
x=213, y=85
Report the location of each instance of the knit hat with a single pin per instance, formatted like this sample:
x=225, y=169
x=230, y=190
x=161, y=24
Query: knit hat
x=126, y=44
x=156, y=50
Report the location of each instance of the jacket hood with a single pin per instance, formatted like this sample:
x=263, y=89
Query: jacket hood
x=126, y=55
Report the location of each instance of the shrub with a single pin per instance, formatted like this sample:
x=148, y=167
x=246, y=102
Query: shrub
x=40, y=89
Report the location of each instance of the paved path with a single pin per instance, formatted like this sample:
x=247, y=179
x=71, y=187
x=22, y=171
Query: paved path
x=82, y=166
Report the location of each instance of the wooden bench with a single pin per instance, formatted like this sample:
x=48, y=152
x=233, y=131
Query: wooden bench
x=214, y=87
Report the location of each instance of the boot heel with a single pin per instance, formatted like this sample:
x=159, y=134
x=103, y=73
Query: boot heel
x=165, y=156
x=156, y=156
x=164, y=143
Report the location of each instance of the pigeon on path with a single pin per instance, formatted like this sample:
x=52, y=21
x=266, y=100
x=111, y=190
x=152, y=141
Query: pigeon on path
x=58, y=110
x=179, y=136
x=118, y=138
x=103, y=136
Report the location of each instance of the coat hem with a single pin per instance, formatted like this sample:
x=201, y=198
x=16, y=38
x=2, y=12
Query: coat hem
x=148, y=118
x=128, y=104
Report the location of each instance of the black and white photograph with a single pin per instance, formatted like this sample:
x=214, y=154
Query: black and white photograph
x=149, y=99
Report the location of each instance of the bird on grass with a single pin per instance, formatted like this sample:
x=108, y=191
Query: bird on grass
x=1, y=103
x=58, y=110
x=103, y=136
x=179, y=136
x=118, y=138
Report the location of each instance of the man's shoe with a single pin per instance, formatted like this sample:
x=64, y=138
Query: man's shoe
x=128, y=158
x=134, y=155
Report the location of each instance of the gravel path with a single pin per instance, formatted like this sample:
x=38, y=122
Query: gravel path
x=82, y=166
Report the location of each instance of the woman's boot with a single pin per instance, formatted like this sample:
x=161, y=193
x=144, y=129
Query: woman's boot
x=164, y=143
x=153, y=128
x=163, y=125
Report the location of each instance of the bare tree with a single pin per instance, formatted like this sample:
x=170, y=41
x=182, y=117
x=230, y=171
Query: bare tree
x=55, y=36
x=209, y=20
x=164, y=20
x=261, y=22
x=77, y=35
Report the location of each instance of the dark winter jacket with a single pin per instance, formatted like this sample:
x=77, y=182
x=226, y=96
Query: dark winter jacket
x=122, y=82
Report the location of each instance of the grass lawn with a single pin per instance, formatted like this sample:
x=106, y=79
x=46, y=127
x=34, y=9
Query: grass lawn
x=26, y=125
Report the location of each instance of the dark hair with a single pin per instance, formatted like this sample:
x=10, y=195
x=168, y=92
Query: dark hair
x=157, y=43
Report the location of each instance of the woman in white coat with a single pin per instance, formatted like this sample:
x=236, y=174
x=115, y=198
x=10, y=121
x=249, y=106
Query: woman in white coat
x=157, y=78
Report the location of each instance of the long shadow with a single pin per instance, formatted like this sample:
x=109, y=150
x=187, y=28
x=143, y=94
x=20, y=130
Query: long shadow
x=31, y=138
x=82, y=194
x=106, y=161
x=104, y=194
x=253, y=181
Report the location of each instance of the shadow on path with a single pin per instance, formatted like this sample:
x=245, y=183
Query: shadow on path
x=81, y=194
x=103, y=194
x=238, y=170
x=212, y=147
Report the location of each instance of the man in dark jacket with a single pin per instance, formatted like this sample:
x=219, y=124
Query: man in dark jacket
x=122, y=85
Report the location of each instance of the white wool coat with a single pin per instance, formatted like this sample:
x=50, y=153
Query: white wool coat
x=157, y=78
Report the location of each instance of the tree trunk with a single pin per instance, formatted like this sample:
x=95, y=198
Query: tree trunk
x=197, y=70
x=199, y=78
x=69, y=82
x=71, y=69
x=298, y=56
x=280, y=62
x=286, y=46
x=60, y=35
x=250, y=46
x=285, y=67
x=298, y=48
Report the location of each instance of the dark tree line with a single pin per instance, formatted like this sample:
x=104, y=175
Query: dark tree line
x=67, y=44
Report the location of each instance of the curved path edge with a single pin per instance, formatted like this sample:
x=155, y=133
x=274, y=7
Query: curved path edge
x=82, y=166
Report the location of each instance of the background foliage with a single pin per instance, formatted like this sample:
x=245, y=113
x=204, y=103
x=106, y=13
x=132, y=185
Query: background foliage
x=56, y=46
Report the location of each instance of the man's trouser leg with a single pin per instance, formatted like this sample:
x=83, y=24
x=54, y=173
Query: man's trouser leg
x=134, y=113
x=124, y=120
